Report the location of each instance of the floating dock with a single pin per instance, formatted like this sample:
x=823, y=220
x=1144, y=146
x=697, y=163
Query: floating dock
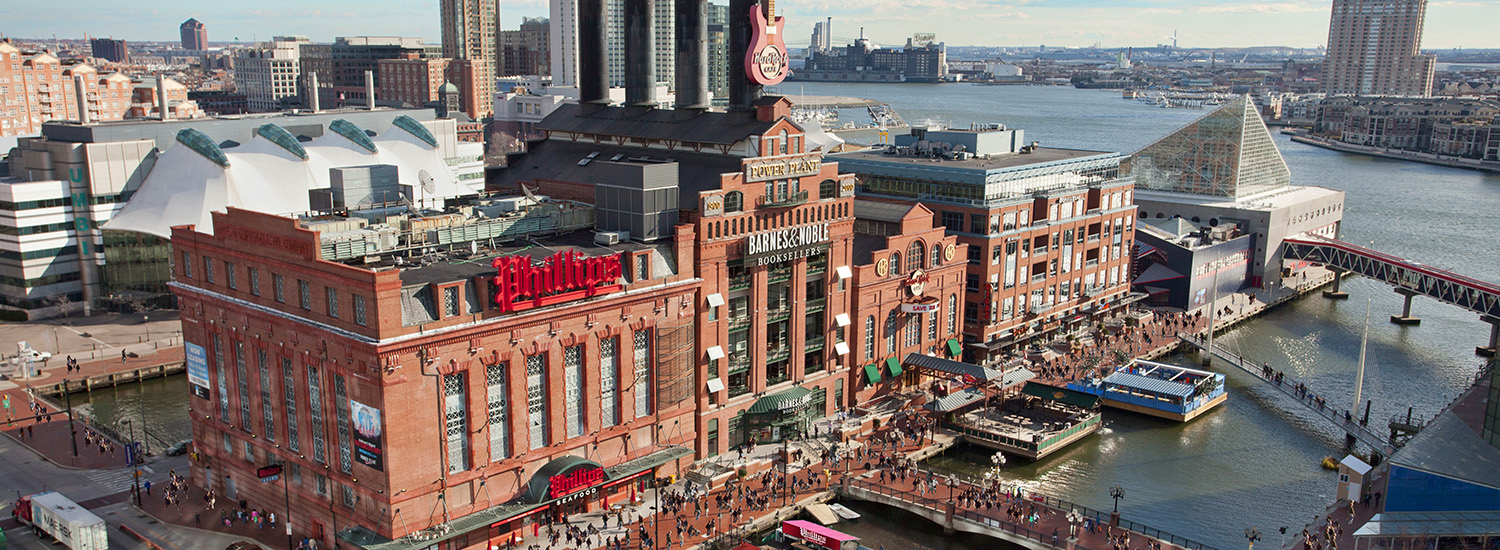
x=1040, y=421
x=1158, y=389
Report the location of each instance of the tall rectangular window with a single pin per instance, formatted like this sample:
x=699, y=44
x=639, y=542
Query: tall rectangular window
x=223, y=378
x=952, y=312
x=315, y=412
x=187, y=265
x=536, y=399
x=244, y=386
x=642, y=373
x=573, y=387
x=254, y=281
x=609, y=399
x=450, y=301
x=333, y=301
x=267, y=411
x=499, y=424
x=230, y=276
x=279, y=286
x=359, y=310
x=304, y=293
x=869, y=337
x=913, y=330
x=208, y=269
x=341, y=417
x=932, y=326
x=289, y=393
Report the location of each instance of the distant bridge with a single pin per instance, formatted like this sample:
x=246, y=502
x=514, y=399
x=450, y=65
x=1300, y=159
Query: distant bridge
x=1410, y=279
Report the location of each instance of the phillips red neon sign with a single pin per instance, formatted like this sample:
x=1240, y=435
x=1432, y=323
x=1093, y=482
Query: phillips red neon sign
x=572, y=482
x=565, y=276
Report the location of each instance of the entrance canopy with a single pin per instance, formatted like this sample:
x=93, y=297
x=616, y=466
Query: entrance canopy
x=540, y=485
x=1060, y=395
x=791, y=400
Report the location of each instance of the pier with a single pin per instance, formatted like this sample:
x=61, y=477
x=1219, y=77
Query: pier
x=1351, y=424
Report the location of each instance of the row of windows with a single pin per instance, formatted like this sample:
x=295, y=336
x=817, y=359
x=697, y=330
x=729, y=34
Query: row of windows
x=37, y=229
x=39, y=281
x=278, y=283
x=752, y=224
x=37, y=254
x=908, y=327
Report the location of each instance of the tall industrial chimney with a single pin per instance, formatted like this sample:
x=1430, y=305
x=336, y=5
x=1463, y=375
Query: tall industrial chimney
x=313, y=100
x=370, y=90
x=162, y=104
x=692, y=54
x=593, y=67
x=742, y=92
x=79, y=89
x=640, y=53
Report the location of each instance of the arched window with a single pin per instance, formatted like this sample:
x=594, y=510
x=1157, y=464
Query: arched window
x=1144, y=214
x=828, y=189
x=734, y=201
x=937, y=254
x=869, y=337
x=895, y=263
x=783, y=142
x=892, y=328
x=914, y=256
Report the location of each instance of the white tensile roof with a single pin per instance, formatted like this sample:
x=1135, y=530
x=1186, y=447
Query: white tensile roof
x=184, y=186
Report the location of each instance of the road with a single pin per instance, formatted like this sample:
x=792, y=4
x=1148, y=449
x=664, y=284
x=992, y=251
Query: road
x=104, y=492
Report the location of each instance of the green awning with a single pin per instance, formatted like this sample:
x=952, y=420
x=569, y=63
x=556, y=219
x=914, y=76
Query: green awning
x=1061, y=395
x=954, y=349
x=872, y=372
x=894, y=366
x=792, y=399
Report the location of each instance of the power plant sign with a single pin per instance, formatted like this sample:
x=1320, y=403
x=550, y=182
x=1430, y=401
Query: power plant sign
x=766, y=60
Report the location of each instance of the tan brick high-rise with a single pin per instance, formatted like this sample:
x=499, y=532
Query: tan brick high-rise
x=470, y=31
x=1374, y=48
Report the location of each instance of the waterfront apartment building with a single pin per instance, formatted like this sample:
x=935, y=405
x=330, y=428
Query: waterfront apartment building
x=1402, y=123
x=471, y=33
x=1048, y=231
x=270, y=74
x=37, y=87
x=1375, y=48
x=524, y=51
x=194, y=35
x=109, y=49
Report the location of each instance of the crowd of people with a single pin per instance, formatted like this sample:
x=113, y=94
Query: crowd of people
x=1114, y=347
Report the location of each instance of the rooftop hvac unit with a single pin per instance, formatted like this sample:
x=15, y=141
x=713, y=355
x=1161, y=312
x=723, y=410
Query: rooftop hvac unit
x=611, y=237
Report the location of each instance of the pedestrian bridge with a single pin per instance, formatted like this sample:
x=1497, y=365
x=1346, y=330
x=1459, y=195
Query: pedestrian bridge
x=1410, y=278
x=1344, y=420
x=1050, y=532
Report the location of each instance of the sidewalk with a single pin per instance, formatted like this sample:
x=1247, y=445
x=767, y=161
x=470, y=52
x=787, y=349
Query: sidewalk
x=56, y=370
x=50, y=439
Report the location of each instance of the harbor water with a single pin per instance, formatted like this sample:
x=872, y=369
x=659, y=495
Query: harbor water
x=1254, y=461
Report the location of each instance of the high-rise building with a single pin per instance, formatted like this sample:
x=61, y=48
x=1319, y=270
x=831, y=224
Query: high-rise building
x=341, y=66
x=106, y=96
x=269, y=74
x=194, y=35
x=524, y=51
x=414, y=82
x=718, y=50
x=565, y=43
x=1375, y=48
x=109, y=49
x=819, y=35
x=470, y=32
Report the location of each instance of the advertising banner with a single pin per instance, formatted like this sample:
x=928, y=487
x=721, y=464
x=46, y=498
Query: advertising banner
x=197, y=368
x=367, y=429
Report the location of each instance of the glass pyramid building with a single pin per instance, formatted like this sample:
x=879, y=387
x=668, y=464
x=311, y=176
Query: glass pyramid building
x=1225, y=153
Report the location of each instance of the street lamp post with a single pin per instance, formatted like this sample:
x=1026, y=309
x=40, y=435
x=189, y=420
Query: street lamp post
x=1252, y=534
x=135, y=470
x=146, y=322
x=1074, y=518
x=1117, y=492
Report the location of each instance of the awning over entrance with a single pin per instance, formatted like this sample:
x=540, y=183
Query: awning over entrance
x=1061, y=395
x=954, y=349
x=541, y=482
x=894, y=366
x=955, y=400
x=955, y=368
x=872, y=372
x=792, y=399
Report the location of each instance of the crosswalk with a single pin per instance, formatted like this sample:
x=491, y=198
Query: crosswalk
x=115, y=480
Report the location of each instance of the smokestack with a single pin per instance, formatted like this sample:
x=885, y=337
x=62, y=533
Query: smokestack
x=314, y=101
x=692, y=54
x=79, y=89
x=742, y=92
x=161, y=97
x=828, y=35
x=640, y=53
x=593, y=69
x=370, y=90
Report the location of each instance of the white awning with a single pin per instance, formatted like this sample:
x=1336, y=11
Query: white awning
x=842, y=319
x=715, y=300
x=844, y=272
x=715, y=385
x=842, y=348
x=715, y=353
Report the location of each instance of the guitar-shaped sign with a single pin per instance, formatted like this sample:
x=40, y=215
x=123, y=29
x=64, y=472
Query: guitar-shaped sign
x=766, y=61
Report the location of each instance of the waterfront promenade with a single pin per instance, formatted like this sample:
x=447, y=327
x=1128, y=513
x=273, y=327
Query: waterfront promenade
x=1305, y=138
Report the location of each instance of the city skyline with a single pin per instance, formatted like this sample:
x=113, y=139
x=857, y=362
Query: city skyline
x=1070, y=23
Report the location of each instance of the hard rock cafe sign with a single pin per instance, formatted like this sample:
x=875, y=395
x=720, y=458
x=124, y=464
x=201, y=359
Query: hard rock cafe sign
x=521, y=285
x=916, y=285
x=766, y=60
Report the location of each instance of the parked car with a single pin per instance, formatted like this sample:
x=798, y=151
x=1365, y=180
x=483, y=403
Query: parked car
x=180, y=448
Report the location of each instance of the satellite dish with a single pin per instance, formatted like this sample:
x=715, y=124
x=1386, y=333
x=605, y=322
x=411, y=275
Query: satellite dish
x=429, y=185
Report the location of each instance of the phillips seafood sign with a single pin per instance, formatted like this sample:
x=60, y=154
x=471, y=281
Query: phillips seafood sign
x=572, y=482
x=563, y=277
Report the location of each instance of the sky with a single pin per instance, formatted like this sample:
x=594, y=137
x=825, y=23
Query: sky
x=1110, y=23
